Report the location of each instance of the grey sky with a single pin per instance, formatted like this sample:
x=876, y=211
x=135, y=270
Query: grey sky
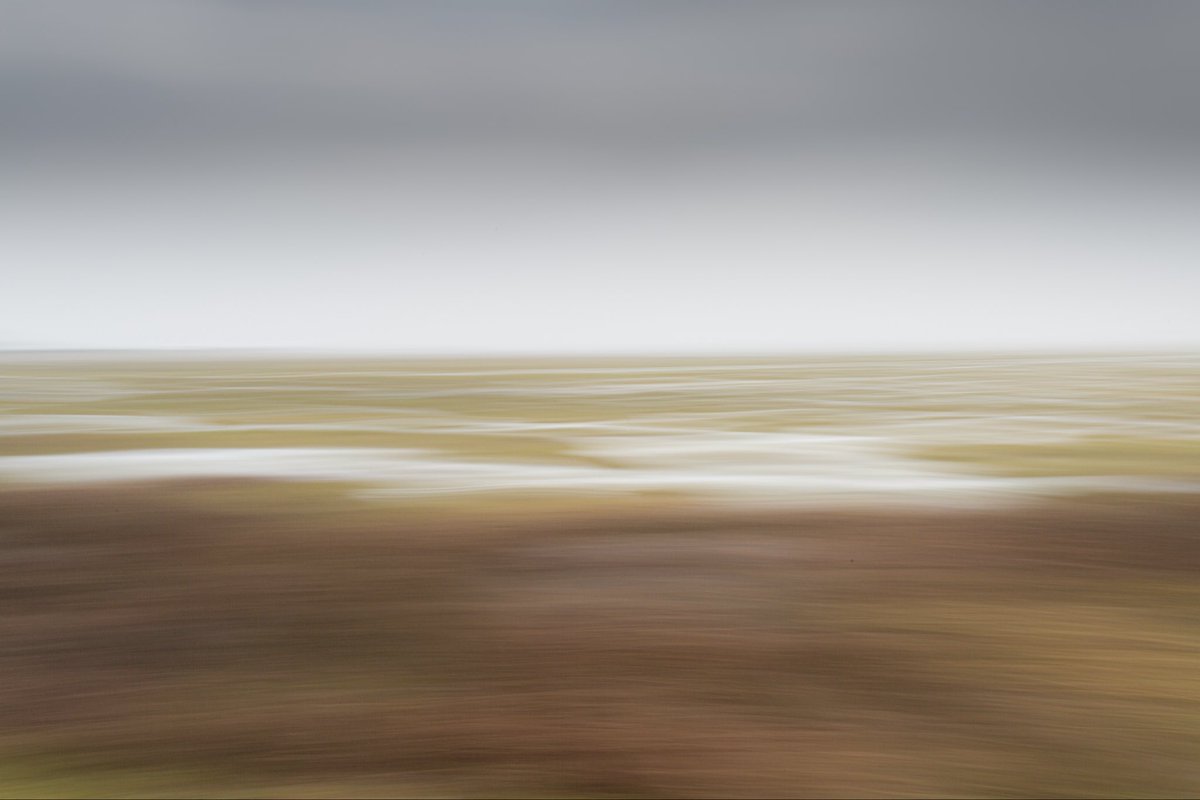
x=620, y=175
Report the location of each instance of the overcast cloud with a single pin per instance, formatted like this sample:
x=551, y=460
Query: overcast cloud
x=564, y=175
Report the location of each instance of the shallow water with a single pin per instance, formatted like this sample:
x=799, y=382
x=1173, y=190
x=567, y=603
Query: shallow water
x=785, y=430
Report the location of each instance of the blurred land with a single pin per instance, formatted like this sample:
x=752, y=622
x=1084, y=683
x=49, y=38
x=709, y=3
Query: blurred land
x=245, y=639
x=691, y=613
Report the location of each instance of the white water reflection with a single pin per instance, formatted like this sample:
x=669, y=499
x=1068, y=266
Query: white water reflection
x=408, y=473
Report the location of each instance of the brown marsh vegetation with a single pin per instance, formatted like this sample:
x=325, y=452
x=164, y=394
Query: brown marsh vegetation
x=257, y=639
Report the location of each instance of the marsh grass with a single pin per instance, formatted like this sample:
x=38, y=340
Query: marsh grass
x=506, y=447
x=995, y=416
x=254, y=639
x=1085, y=455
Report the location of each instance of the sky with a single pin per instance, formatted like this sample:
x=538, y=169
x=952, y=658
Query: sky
x=586, y=176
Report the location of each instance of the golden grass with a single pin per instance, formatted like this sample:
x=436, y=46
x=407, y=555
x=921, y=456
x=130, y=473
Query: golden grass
x=506, y=447
x=1087, y=455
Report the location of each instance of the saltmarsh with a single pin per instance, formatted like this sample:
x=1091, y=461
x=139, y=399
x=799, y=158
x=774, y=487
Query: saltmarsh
x=940, y=417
